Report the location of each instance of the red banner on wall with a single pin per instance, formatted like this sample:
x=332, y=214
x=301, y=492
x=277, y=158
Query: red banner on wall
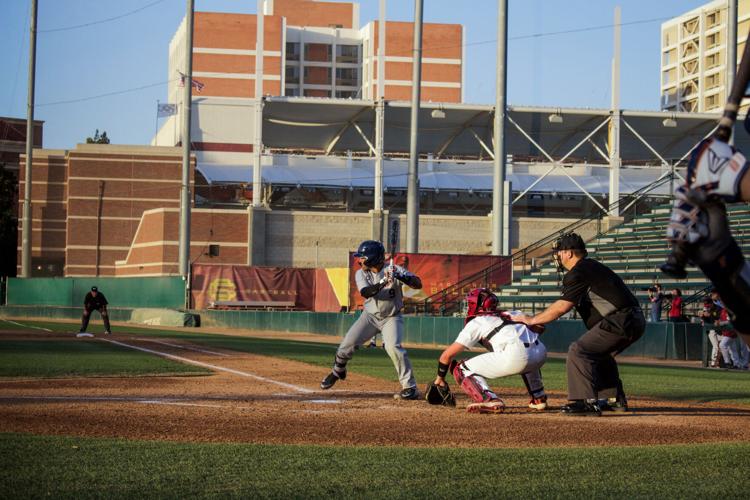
x=259, y=284
x=438, y=272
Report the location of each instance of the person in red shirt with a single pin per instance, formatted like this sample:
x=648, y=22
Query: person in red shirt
x=675, y=311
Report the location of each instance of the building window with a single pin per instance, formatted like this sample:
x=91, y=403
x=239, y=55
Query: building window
x=347, y=94
x=347, y=77
x=292, y=74
x=713, y=19
x=318, y=52
x=292, y=51
x=291, y=91
x=712, y=101
x=336, y=26
x=712, y=61
x=316, y=75
x=713, y=39
x=317, y=93
x=713, y=81
x=347, y=53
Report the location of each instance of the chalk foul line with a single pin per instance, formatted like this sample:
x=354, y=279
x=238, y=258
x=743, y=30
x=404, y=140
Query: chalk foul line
x=211, y=366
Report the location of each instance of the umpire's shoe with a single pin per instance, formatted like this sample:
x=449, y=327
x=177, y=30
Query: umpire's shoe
x=408, y=393
x=613, y=404
x=580, y=408
x=331, y=379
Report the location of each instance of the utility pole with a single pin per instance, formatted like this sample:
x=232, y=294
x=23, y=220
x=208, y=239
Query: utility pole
x=26, y=229
x=499, y=247
x=412, y=196
x=184, y=249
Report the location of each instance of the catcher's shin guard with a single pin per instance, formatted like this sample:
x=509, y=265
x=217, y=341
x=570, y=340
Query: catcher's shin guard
x=473, y=385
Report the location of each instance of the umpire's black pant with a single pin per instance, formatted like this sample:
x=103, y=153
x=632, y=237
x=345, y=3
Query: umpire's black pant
x=87, y=315
x=592, y=369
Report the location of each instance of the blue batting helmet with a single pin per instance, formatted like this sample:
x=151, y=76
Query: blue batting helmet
x=373, y=251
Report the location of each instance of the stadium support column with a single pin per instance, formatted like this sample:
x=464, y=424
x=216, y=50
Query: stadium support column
x=412, y=197
x=500, y=243
x=378, y=216
x=184, y=244
x=731, y=48
x=614, y=125
x=26, y=227
x=258, y=136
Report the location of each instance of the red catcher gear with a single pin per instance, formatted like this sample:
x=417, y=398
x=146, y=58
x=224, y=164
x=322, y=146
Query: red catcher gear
x=480, y=302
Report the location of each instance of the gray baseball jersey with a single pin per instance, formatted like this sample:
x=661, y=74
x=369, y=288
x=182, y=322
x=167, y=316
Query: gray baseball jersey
x=387, y=302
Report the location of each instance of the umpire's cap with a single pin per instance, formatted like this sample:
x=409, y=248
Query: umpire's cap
x=570, y=241
x=94, y=289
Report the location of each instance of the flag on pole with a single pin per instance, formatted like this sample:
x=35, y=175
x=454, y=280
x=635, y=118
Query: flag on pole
x=163, y=110
x=198, y=86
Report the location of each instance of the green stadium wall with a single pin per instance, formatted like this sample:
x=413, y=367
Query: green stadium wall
x=662, y=340
x=166, y=292
x=683, y=341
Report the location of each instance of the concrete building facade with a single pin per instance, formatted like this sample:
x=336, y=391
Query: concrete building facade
x=694, y=57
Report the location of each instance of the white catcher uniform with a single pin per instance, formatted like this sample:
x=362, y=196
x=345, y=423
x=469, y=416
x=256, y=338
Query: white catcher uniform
x=381, y=314
x=514, y=349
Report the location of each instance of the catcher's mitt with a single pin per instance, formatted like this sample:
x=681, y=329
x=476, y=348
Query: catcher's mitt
x=439, y=395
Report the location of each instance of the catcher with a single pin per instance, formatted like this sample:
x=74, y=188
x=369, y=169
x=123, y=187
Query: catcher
x=513, y=349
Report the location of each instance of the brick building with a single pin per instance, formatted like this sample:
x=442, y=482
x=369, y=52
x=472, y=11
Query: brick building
x=87, y=203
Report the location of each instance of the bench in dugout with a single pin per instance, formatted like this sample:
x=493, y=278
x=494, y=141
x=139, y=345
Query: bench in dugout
x=268, y=305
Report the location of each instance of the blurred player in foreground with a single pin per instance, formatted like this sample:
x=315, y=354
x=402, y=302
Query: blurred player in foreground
x=380, y=285
x=514, y=349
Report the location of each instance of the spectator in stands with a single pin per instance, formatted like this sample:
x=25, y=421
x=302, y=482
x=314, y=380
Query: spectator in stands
x=675, y=309
x=655, y=297
x=710, y=318
x=728, y=341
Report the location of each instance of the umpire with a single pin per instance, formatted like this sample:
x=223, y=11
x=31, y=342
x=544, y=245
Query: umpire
x=614, y=320
x=95, y=301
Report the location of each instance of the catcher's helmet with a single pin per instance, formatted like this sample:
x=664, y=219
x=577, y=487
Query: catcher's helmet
x=373, y=251
x=480, y=302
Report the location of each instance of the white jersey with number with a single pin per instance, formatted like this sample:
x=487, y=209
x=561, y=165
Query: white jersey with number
x=478, y=329
x=387, y=302
x=514, y=350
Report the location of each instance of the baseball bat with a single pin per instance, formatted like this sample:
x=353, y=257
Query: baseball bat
x=739, y=90
x=393, y=239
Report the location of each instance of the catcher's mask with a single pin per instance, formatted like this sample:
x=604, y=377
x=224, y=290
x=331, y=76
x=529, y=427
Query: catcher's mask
x=568, y=241
x=480, y=302
x=373, y=252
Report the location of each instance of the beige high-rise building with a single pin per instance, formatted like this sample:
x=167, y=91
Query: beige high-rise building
x=694, y=57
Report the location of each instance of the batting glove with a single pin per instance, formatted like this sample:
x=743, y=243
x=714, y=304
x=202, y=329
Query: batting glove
x=716, y=168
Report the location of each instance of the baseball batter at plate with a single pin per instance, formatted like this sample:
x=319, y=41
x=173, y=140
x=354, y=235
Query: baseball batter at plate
x=380, y=286
x=513, y=349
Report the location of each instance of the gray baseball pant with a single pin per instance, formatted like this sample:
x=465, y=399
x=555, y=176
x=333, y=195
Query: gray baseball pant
x=392, y=328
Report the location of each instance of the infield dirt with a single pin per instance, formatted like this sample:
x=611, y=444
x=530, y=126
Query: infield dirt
x=272, y=400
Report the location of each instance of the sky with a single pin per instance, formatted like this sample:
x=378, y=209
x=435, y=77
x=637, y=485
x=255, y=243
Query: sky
x=102, y=64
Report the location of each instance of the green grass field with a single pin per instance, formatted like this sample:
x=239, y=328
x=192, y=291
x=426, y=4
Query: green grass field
x=71, y=467
x=62, y=467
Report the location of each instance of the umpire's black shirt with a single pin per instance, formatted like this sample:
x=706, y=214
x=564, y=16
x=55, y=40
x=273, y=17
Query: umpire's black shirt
x=91, y=302
x=596, y=291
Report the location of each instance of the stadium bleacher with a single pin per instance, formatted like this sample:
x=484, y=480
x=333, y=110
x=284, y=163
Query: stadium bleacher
x=634, y=250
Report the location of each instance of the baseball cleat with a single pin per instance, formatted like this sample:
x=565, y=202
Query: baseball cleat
x=409, y=393
x=328, y=382
x=494, y=406
x=107, y=332
x=613, y=404
x=84, y=334
x=538, y=403
x=580, y=408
